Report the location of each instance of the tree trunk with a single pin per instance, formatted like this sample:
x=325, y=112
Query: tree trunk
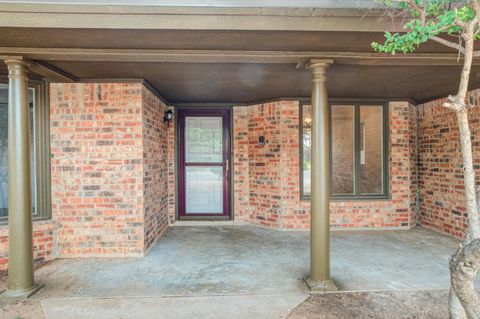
x=455, y=307
x=464, y=266
x=468, y=175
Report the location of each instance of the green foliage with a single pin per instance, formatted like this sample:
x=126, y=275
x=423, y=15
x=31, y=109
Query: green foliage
x=441, y=17
x=307, y=165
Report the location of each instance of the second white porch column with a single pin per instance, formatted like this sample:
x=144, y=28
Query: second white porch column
x=319, y=279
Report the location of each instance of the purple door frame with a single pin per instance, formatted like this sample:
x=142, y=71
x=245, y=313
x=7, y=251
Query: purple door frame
x=224, y=113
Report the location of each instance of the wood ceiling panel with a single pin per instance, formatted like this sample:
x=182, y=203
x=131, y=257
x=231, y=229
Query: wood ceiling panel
x=246, y=83
x=197, y=40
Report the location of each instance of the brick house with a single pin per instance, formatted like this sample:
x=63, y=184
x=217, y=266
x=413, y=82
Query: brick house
x=109, y=171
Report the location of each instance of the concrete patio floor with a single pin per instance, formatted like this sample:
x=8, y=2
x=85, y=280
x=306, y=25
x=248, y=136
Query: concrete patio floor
x=231, y=271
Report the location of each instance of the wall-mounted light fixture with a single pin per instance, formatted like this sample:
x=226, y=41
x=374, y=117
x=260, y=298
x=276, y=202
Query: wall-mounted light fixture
x=168, y=117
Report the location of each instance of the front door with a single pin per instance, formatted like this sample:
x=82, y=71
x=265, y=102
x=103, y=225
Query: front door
x=204, y=164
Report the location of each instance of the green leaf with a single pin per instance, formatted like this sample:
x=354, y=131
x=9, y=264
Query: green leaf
x=441, y=17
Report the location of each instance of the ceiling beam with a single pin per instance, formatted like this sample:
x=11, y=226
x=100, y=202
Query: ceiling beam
x=42, y=69
x=229, y=56
x=50, y=72
x=195, y=18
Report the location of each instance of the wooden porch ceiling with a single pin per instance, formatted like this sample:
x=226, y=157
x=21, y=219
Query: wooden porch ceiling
x=238, y=64
x=252, y=82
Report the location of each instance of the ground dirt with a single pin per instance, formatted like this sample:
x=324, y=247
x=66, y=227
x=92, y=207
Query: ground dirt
x=29, y=309
x=402, y=304
x=26, y=309
x=3, y=281
x=430, y=304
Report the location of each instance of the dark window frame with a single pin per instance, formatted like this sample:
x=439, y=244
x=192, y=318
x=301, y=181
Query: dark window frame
x=43, y=206
x=385, y=195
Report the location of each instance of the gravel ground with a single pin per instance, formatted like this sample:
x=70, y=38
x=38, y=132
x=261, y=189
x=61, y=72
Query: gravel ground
x=29, y=309
x=382, y=305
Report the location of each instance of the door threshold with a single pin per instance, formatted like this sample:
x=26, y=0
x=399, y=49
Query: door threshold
x=204, y=223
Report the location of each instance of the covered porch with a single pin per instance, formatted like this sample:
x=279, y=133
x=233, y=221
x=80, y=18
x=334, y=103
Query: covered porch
x=238, y=272
x=109, y=172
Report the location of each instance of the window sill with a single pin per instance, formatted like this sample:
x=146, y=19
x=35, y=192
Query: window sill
x=36, y=220
x=353, y=199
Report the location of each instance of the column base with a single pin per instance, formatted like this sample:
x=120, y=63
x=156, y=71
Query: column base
x=321, y=286
x=15, y=295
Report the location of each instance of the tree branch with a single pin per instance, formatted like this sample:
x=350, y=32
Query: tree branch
x=414, y=7
x=476, y=7
x=449, y=44
x=454, y=103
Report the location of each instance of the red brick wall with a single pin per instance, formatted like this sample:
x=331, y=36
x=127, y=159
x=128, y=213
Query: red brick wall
x=155, y=167
x=44, y=243
x=107, y=143
x=97, y=168
x=413, y=164
x=442, y=194
x=171, y=171
x=266, y=169
x=273, y=171
x=241, y=195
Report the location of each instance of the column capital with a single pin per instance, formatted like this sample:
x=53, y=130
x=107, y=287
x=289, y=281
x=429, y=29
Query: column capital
x=14, y=59
x=319, y=69
x=17, y=67
x=318, y=63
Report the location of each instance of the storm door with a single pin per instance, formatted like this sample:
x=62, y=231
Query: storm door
x=204, y=164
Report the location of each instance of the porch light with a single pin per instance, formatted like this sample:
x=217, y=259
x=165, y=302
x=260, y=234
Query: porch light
x=168, y=117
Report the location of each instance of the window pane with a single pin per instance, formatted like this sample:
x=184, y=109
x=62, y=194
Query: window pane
x=307, y=154
x=371, y=150
x=203, y=139
x=4, y=148
x=204, y=193
x=343, y=151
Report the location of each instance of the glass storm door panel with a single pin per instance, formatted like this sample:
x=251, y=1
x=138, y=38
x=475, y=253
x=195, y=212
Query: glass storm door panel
x=204, y=158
